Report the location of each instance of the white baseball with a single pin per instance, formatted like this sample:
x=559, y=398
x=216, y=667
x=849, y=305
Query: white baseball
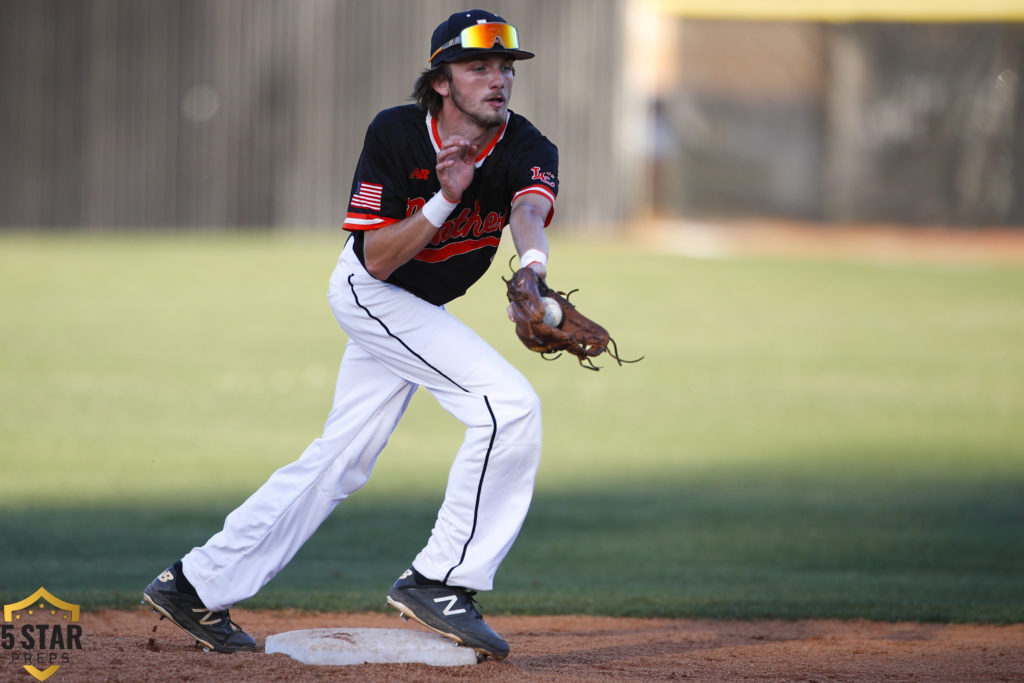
x=552, y=312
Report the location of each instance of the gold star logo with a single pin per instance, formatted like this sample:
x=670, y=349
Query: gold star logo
x=13, y=612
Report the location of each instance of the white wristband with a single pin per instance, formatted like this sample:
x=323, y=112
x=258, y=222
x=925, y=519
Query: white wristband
x=437, y=209
x=533, y=256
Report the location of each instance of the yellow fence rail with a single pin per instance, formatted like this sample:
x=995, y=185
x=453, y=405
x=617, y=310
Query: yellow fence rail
x=842, y=11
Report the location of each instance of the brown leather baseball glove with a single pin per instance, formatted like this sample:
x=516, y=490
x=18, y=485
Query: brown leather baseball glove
x=574, y=333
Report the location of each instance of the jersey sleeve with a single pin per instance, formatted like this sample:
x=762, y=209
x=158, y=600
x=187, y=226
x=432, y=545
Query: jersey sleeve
x=377, y=197
x=536, y=171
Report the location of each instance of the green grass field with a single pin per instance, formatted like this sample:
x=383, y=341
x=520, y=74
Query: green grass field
x=805, y=438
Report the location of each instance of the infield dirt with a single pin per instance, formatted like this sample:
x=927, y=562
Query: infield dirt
x=136, y=646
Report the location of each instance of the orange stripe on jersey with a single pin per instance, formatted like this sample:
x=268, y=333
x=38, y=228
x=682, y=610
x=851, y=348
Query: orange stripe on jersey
x=455, y=249
x=366, y=221
x=542, y=191
x=536, y=189
x=486, y=150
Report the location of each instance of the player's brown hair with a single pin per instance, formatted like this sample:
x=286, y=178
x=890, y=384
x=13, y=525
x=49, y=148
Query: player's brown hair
x=423, y=93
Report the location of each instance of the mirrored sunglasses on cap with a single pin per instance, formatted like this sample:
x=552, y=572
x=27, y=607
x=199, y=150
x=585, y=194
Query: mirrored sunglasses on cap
x=482, y=36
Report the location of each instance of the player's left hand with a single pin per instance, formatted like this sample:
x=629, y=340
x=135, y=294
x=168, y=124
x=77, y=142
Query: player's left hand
x=572, y=332
x=542, y=273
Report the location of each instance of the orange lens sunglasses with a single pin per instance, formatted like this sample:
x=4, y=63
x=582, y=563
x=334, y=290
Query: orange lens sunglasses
x=483, y=36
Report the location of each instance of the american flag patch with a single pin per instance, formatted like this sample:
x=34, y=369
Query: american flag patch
x=368, y=196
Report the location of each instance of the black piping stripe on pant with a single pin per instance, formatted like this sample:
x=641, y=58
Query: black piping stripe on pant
x=490, y=411
x=393, y=336
x=479, y=489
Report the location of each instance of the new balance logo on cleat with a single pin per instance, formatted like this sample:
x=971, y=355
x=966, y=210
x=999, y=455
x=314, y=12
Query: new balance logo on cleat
x=213, y=630
x=448, y=610
x=207, y=619
x=451, y=600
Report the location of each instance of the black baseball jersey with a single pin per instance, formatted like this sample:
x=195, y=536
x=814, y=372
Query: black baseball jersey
x=396, y=176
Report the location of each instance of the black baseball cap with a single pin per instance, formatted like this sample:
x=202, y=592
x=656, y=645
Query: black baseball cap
x=474, y=32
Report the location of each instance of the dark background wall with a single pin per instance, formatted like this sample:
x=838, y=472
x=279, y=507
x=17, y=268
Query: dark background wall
x=137, y=113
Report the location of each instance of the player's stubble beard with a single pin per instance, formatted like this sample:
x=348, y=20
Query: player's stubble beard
x=481, y=118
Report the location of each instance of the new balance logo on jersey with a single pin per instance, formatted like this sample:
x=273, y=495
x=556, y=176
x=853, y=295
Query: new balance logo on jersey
x=451, y=600
x=420, y=174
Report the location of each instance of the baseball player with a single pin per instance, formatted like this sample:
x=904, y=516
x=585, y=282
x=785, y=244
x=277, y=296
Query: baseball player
x=436, y=183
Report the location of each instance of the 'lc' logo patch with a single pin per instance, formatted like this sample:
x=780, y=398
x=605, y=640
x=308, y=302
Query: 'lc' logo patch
x=545, y=177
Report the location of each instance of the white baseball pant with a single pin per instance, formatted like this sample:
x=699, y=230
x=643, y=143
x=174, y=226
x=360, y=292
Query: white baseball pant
x=397, y=342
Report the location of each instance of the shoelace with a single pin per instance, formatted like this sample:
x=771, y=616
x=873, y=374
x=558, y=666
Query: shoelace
x=225, y=616
x=471, y=599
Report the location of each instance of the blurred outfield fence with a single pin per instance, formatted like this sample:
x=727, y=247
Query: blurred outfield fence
x=132, y=113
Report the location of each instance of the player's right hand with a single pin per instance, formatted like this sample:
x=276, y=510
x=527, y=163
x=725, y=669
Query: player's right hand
x=456, y=164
